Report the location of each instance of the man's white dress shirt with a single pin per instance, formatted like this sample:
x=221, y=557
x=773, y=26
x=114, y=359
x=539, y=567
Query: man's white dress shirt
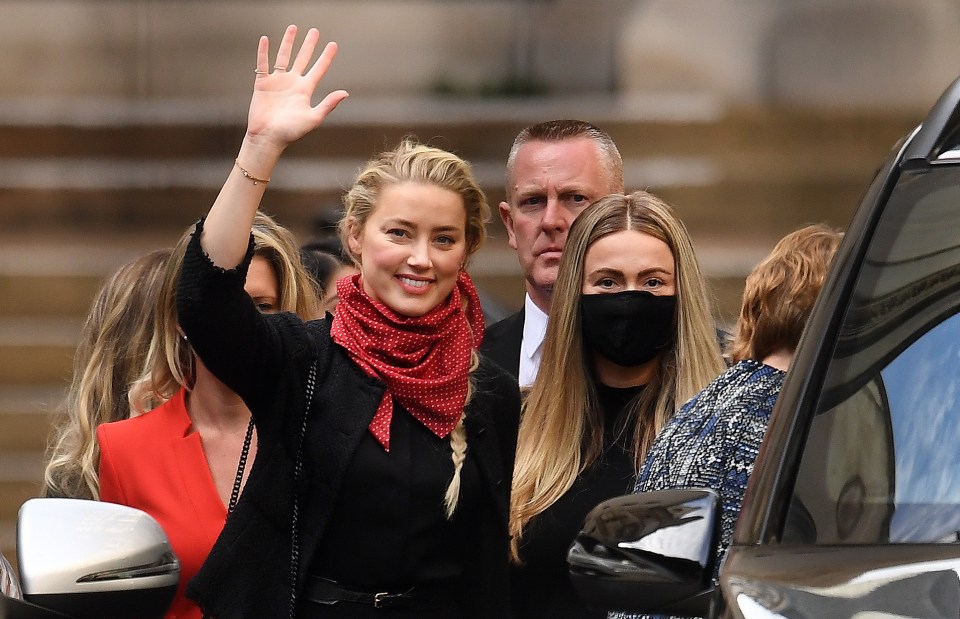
x=531, y=346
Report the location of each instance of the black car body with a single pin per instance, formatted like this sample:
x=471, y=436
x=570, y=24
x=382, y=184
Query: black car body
x=853, y=508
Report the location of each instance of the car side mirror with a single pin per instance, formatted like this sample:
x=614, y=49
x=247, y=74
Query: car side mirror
x=652, y=552
x=93, y=559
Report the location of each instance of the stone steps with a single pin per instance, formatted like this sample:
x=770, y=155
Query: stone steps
x=131, y=175
x=82, y=197
x=28, y=413
x=21, y=474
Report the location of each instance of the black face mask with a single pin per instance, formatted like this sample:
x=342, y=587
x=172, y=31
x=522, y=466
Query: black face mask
x=629, y=328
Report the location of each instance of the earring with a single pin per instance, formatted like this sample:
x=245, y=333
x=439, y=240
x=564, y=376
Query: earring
x=190, y=371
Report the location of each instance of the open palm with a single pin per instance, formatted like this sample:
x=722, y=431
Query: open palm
x=281, y=109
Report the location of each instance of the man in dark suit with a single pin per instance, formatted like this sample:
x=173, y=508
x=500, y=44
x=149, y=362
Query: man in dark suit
x=555, y=170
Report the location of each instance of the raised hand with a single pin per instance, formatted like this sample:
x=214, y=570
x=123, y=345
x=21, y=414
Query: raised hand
x=281, y=109
x=281, y=112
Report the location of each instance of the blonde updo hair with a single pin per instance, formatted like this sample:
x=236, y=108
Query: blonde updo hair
x=412, y=162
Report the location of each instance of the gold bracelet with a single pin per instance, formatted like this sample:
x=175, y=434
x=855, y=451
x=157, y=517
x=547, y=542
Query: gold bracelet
x=251, y=176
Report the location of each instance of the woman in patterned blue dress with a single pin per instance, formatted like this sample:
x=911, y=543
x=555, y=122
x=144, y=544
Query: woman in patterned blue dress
x=712, y=442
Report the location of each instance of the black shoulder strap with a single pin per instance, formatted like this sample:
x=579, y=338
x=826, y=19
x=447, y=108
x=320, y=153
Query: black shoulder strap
x=298, y=465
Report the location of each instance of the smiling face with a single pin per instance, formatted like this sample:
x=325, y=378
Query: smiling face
x=551, y=183
x=629, y=260
x=411, y=246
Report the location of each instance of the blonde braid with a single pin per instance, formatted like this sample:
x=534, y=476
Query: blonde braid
x=458, y=446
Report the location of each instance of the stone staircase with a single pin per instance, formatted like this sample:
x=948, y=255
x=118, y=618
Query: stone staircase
x=77, y=200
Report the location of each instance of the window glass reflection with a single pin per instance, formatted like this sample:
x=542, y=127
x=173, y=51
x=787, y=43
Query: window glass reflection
x=881, y=462
x=923, y=392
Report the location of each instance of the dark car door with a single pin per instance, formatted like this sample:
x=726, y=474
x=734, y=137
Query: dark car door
x=854, y=506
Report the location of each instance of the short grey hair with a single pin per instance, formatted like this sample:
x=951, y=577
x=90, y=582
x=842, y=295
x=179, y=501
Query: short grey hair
x=568, y=129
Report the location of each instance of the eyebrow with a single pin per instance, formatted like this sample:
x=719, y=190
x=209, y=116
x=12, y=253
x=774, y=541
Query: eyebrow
x=522, y=194
x=397, y=221
x=410, y=224
x=539, y=190
x=564, y=190
x=606, y=270
x=611, y=271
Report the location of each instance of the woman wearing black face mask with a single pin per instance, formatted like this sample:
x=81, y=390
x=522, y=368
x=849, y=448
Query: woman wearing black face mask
x=629, y=338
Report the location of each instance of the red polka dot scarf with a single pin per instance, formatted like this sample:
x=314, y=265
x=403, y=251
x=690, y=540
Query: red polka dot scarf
x=425, y=361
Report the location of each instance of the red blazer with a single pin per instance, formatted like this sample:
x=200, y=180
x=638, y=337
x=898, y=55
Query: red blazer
x=154, y=463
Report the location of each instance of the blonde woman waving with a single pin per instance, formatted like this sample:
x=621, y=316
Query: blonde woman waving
x=381, y=484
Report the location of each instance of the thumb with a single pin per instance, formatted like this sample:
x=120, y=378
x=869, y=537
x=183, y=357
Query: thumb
x=329, y=103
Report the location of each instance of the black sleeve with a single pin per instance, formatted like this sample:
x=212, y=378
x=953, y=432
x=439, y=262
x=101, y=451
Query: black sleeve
x=243, y=348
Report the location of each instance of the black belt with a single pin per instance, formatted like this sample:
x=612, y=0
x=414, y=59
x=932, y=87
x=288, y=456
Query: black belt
x=326, y=591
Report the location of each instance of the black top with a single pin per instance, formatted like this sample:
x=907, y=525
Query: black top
x=395, y=500
x=266, y=359
x=541, y=586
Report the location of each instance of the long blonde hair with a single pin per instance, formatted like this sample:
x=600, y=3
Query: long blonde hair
x=169, y=364
x=411, y=161
x=111, y=353
x=561, y=429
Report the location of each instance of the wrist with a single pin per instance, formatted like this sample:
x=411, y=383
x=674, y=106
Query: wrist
x=258, y=158
x=263, y=142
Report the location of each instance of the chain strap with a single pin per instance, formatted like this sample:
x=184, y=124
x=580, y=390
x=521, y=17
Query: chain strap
x=297, y=468
x=241, y=466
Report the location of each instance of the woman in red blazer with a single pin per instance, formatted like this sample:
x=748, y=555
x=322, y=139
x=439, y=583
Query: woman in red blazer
x=184, y=461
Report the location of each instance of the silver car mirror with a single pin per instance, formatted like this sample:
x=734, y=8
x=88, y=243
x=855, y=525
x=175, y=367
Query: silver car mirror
x=93, y=559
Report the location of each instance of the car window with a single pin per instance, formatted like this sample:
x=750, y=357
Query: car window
x=881, y=457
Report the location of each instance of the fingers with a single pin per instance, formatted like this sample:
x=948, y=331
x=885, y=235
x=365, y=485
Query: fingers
x=306, y=51
x=319, y=68
x=304, y=54
x=263, y=57
x=300, y=65
x=286, y=49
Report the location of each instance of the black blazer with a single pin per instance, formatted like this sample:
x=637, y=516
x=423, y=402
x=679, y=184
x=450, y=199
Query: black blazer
x=266, y=359
x=501, y=343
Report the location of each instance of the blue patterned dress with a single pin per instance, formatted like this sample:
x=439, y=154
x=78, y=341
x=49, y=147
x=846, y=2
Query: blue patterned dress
x=712, y=442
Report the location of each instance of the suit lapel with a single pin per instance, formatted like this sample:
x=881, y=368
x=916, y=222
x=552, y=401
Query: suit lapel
x=343, y=408
x=197, y=487
x=483, y=445
x=502, y=343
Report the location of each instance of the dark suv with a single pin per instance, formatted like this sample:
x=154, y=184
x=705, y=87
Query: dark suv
x=853, y=508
